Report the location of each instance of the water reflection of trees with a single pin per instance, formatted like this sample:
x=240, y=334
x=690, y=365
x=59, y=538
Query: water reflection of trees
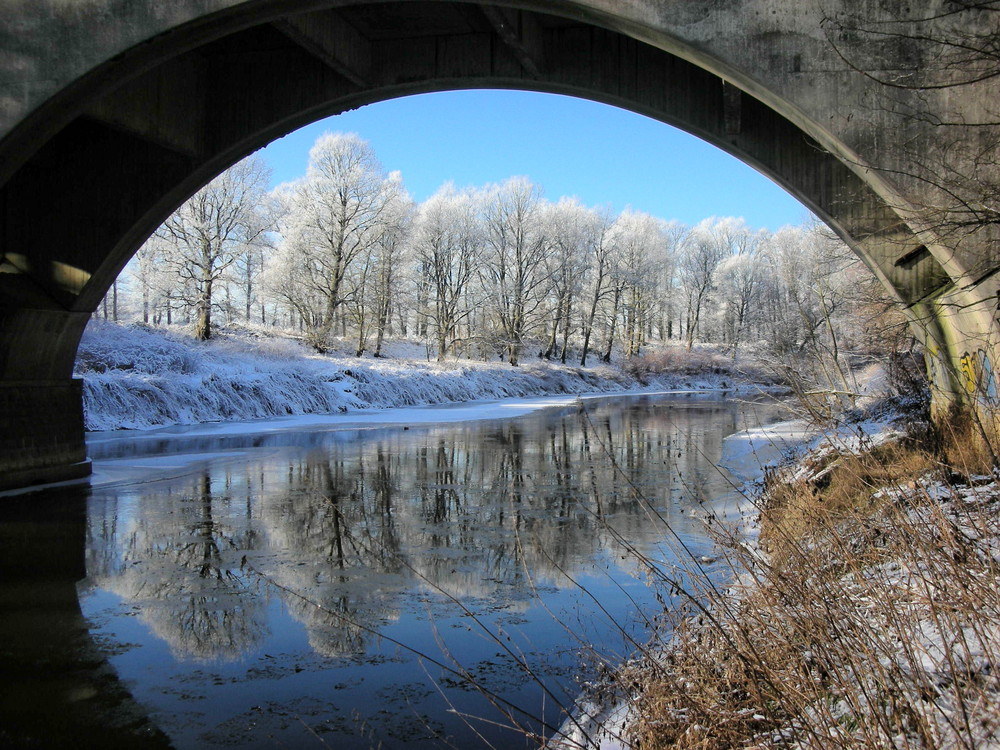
x=480, y=511
x=177, y=557
x=333, y=539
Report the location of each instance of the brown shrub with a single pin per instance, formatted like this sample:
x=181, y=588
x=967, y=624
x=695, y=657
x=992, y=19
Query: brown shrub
x=875, y=623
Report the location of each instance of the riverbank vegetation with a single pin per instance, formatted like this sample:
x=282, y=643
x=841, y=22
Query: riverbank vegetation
x=865, y=616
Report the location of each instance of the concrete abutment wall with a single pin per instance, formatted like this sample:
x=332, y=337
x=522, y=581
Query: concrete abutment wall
x=111, y=114
x=42, y=439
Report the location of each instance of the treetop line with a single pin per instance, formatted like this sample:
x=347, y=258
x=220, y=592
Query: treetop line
x=345, y=253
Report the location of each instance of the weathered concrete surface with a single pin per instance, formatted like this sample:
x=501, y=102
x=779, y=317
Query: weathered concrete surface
x=43, y=424
x=112, y=112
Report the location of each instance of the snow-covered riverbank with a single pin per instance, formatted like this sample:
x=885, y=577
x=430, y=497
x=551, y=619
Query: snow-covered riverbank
x=137, y=378
x=872, y=623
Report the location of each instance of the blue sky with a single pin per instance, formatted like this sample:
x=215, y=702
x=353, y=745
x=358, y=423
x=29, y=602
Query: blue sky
x=601, y=154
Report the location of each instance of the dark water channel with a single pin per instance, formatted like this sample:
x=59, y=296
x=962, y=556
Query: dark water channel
x=380, y=588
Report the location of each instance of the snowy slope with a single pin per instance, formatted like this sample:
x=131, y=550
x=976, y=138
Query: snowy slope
x=139, y=378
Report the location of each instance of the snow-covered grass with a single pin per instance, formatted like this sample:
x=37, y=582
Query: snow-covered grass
x=138, y=378
x=867, y=615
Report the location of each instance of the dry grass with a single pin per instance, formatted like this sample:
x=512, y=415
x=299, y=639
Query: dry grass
x=967, y=442
x=835, y=488
x=872, y=621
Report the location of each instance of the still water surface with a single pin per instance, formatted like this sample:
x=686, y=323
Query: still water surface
x=346, y=589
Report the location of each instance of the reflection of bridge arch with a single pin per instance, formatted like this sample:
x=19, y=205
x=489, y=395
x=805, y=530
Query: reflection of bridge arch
x=59, y=688
x=115, y=115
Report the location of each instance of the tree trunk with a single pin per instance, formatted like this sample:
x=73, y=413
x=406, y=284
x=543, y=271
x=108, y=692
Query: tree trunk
x=203, y=321
x=384, y=320
x=606, y=357
x=566, y=331
x=554, y=336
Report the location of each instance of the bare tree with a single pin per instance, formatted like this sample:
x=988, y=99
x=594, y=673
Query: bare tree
x=514, y=274
x=212, y=229
x=448, y=241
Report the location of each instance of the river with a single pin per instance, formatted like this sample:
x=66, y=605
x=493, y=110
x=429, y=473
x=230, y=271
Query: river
x=380, y=585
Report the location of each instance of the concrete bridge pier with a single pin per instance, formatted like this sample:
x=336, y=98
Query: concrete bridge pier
x=41, y=404
x=962, y=343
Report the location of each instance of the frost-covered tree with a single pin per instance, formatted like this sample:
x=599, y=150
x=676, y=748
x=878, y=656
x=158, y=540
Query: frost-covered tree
x=335, y=215
x=739, y=280
x=812, y=315
x=599, y=266
x=150, y=278
x=372, y=281
x=211, y=230
x=513, y=273
x=708, y=244
x=391, y=259
x=448, y=240
x=244, y=275
x=795, y=266
x=665, y=302
x=639, y=240
x=569, y=233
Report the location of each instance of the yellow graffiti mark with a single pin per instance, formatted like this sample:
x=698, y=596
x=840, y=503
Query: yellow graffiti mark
x=967, y=367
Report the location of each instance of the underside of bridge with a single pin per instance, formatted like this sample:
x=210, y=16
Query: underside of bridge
x=115, y=114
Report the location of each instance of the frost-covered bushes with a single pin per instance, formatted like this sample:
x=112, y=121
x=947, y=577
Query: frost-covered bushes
x=415, y=383
x=135, y=378
x=106, y=347
x=696, y=362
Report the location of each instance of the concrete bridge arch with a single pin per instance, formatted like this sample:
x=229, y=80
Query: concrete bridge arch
x=115, y=111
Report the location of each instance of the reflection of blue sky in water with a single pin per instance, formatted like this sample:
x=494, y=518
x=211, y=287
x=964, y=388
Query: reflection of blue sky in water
x=211, y=581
